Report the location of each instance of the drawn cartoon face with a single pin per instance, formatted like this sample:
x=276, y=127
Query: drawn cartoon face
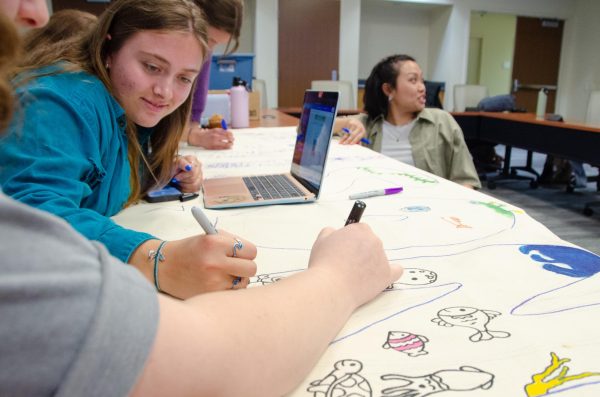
x=348, y=366
x=461, y=315
x=397, y=334
x=415, y=276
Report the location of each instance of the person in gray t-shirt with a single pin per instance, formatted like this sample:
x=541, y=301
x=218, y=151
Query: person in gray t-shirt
x=75, y=321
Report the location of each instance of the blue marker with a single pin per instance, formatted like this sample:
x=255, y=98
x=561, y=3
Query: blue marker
x=223, y=124
x=363, y=140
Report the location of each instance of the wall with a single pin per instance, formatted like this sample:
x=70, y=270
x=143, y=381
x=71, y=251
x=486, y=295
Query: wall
x=392, y=28
x=497, y=32
x=580, y=61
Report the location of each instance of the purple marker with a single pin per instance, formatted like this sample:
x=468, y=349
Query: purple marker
x=373, y=193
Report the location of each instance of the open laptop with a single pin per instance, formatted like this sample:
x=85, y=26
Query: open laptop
x=304, y=181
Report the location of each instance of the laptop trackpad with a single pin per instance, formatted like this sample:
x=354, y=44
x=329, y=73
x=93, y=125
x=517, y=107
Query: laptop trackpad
x=225, y=190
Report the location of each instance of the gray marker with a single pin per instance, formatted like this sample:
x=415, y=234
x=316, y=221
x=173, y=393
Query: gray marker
x=206, y=225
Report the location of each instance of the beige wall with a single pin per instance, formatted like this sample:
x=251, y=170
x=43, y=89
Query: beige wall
x=497, y=35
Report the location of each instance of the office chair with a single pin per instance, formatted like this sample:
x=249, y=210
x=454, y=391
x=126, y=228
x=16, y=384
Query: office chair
x=593, y=118
x=346, y=100
x=260, y=86
x=468, y=96
x=433, y=90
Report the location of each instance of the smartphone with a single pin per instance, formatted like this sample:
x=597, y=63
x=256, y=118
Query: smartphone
x=167, y=193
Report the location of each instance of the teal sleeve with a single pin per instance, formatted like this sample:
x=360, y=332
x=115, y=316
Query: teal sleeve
x=58, y=156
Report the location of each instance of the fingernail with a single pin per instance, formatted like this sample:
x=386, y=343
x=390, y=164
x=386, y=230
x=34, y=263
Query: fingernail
x=174, y=180
x=188, y=167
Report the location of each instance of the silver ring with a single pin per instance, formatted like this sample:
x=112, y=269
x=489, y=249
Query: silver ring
x=237, y=245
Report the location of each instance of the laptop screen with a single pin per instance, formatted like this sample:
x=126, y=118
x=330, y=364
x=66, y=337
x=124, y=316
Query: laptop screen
x=314, y=134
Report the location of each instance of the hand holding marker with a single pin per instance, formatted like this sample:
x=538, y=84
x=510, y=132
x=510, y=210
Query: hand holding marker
x=363, y=140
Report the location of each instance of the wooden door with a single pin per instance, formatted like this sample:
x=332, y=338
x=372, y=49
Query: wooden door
x=83, y=5
x=309, y=42
x=536, y=61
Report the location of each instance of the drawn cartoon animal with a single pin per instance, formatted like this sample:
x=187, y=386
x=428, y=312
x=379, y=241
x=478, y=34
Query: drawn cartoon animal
x=343, y=381
x=407, y=343
x=465, y=378
x=568, y=261
x=414, y=276
x=265, y=279
x=470, y=317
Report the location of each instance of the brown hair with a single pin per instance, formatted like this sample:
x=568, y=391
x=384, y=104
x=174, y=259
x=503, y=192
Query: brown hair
x=9, y=51
x=224, y=15
x=58, y=39
x=121, y=20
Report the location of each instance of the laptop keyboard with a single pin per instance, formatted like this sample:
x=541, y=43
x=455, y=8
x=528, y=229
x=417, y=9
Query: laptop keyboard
x=271, y=187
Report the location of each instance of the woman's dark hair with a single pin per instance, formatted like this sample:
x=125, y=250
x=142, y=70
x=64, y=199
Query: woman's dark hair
x=224, y=15
x=386, y=71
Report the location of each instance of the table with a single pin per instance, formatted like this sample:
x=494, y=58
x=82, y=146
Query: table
x=274, y=118
x=572, y=141
x=490, y=297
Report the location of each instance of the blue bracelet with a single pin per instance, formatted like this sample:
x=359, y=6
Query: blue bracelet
x=158, y=257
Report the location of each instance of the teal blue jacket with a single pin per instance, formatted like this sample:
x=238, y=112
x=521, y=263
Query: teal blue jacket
x=66, y=152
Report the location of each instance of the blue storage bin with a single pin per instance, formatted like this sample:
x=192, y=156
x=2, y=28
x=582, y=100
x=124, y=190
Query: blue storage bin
x=224, y=68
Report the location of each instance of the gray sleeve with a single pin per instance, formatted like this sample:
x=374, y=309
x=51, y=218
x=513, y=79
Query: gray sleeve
x=74, y=320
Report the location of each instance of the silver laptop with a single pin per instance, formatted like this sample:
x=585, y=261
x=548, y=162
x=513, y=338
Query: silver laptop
x=304, y=181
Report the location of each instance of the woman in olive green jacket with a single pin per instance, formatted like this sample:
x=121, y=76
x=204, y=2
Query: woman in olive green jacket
x=397, y=124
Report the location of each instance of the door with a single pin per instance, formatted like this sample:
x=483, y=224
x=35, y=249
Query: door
x=309, y=42
x=536, y=61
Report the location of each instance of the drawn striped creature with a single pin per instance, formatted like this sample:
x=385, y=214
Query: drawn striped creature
x=343, y=381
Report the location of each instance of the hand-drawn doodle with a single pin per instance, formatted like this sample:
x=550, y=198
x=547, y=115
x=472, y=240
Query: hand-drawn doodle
x=265, y=279
x=465, y=378
x=405, y=342
x=470, y=317
x=344, y=380
x=414, y=276
x=498, y=207
x=542, y=383
x=416, y=208
x=456, y=222
x=568, y=261
x=420, y=178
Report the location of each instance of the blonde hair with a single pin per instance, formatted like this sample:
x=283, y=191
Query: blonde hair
x=9, y=51
x=118, y=23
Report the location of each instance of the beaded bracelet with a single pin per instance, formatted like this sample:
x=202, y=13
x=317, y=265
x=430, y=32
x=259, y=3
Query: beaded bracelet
x=157, y=256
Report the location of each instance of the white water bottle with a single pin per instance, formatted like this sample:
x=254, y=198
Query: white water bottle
x=240, y=116
x=541, y=104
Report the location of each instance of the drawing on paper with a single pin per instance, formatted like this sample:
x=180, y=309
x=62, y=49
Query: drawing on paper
x=470, y=317
x=456, y=222
x=405, y=342
x=498, y=208
x=568, y=261
x=344, y=380
x=548, y=379
x=414, y=276
x=416, y=208
x=420, y=178
x=265, y=279
x=465, y=378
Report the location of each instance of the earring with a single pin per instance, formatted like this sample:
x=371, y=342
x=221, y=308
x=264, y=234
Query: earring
x=390, y=97
x=106, y=65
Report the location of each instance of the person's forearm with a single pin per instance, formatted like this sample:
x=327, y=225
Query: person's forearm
x=224, y=343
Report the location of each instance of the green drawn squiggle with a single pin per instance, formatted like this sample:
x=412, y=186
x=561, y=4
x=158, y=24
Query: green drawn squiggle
x=416, y=178
x=497, y=207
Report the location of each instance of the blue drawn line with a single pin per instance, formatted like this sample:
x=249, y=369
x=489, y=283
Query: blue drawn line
x=552, y=311
x=456, y=253
x=369, y=325
x=572, y=387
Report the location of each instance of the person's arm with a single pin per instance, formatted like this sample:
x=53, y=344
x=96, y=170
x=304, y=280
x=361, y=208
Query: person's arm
x=52, y=159
x=197, y=264
x=350, y=129
x=210, y=138
x=462, y=169
x=263, y=341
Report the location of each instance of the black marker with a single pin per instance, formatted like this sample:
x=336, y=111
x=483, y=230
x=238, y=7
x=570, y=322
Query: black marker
x=356, y=212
